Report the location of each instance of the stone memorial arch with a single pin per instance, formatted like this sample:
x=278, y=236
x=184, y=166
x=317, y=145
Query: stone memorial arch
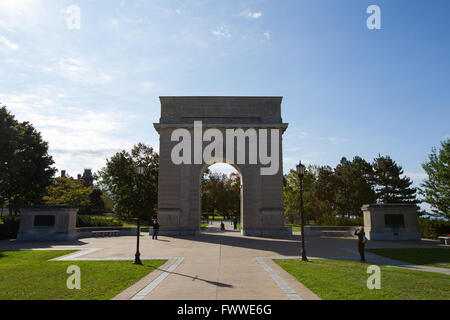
x=203, y=120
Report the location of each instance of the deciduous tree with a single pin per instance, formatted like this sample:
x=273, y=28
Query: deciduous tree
x=436, y=188
x=25, y=165
x=120, y=181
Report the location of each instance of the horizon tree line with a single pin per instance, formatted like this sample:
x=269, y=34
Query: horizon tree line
x=27, y=177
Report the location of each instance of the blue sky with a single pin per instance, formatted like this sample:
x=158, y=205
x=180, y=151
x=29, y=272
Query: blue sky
x=347, y=90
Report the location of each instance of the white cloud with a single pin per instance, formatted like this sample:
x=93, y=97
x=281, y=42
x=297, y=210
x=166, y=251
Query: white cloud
x=222, y=31
x=78, y=70
x=78, y=137
x=267, y=35
x=106, y=78
x=70, y=68
x=22, y=14
x=416, y=175
x=222, y=168
x=115, y=23
x=253, y=15
x=8, y=44
x=336, y=140
x=149, y=84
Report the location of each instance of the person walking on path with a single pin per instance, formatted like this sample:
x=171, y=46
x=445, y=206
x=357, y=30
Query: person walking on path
x=222, y=226
x=235, y=223
x=155, y=229
x=361, y=242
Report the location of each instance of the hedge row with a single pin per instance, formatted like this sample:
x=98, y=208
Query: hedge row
x=433, y=228
x=97, y=221
x=329, y=220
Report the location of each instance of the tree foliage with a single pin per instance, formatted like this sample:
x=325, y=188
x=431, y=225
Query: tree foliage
x=121, y=183
x=391, y=187
x=221, y=193
x=68, y=191
x=353, y=186
x=338, y=194
x=436, y=188
x=25, y=165
x=291, y=194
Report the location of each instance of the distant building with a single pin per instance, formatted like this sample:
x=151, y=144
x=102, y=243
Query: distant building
x=87, y=177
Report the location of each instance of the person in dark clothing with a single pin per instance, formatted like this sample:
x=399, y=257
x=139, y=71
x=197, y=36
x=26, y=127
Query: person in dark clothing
x=235, y=223
x=222, y=226
x=361, y=242
x=155, y=229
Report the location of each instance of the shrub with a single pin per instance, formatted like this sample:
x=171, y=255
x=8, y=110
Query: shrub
x=330, y=220
x=9, y=227
x=97, y=221
x=433, y=228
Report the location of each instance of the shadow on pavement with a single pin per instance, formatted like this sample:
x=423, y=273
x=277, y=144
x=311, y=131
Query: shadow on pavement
x=214, y=283
x=23, y=245
x=320, y=247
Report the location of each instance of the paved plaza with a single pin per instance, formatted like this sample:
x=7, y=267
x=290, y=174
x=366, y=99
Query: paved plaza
x=220, y=264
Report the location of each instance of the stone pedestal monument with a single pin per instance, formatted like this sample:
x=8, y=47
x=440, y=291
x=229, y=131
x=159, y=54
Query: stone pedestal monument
x=179, y=190
x=47, y=223
x=391, y=222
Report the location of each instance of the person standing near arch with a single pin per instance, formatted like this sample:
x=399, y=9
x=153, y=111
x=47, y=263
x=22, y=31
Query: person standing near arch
x=155, y=229
x=235, y=223
x=361, y=242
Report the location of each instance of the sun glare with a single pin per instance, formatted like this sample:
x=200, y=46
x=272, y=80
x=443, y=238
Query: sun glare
x=18, y=7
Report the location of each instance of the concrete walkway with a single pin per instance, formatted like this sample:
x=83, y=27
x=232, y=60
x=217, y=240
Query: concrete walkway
x=219, y=265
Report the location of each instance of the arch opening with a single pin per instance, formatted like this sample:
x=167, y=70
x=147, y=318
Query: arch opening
x=221, y=198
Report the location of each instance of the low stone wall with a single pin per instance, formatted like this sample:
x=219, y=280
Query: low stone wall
x=391, y=221
x=286, y=231
x=47, y=223
x=86, y=232
x=317, y=230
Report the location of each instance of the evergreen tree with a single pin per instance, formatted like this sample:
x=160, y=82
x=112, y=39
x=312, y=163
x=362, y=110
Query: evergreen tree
x=325, y=192
x=353, y=186
x=390, y=186
x=436, y=188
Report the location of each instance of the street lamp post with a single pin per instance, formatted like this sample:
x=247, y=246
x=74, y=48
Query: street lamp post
x=301, y=170
x=140, y=173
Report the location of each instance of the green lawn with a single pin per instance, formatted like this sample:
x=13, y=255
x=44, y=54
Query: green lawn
x=203, y=226
x=295, y=227
x=347, y=280
x=436, y=257
x=28, y=275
